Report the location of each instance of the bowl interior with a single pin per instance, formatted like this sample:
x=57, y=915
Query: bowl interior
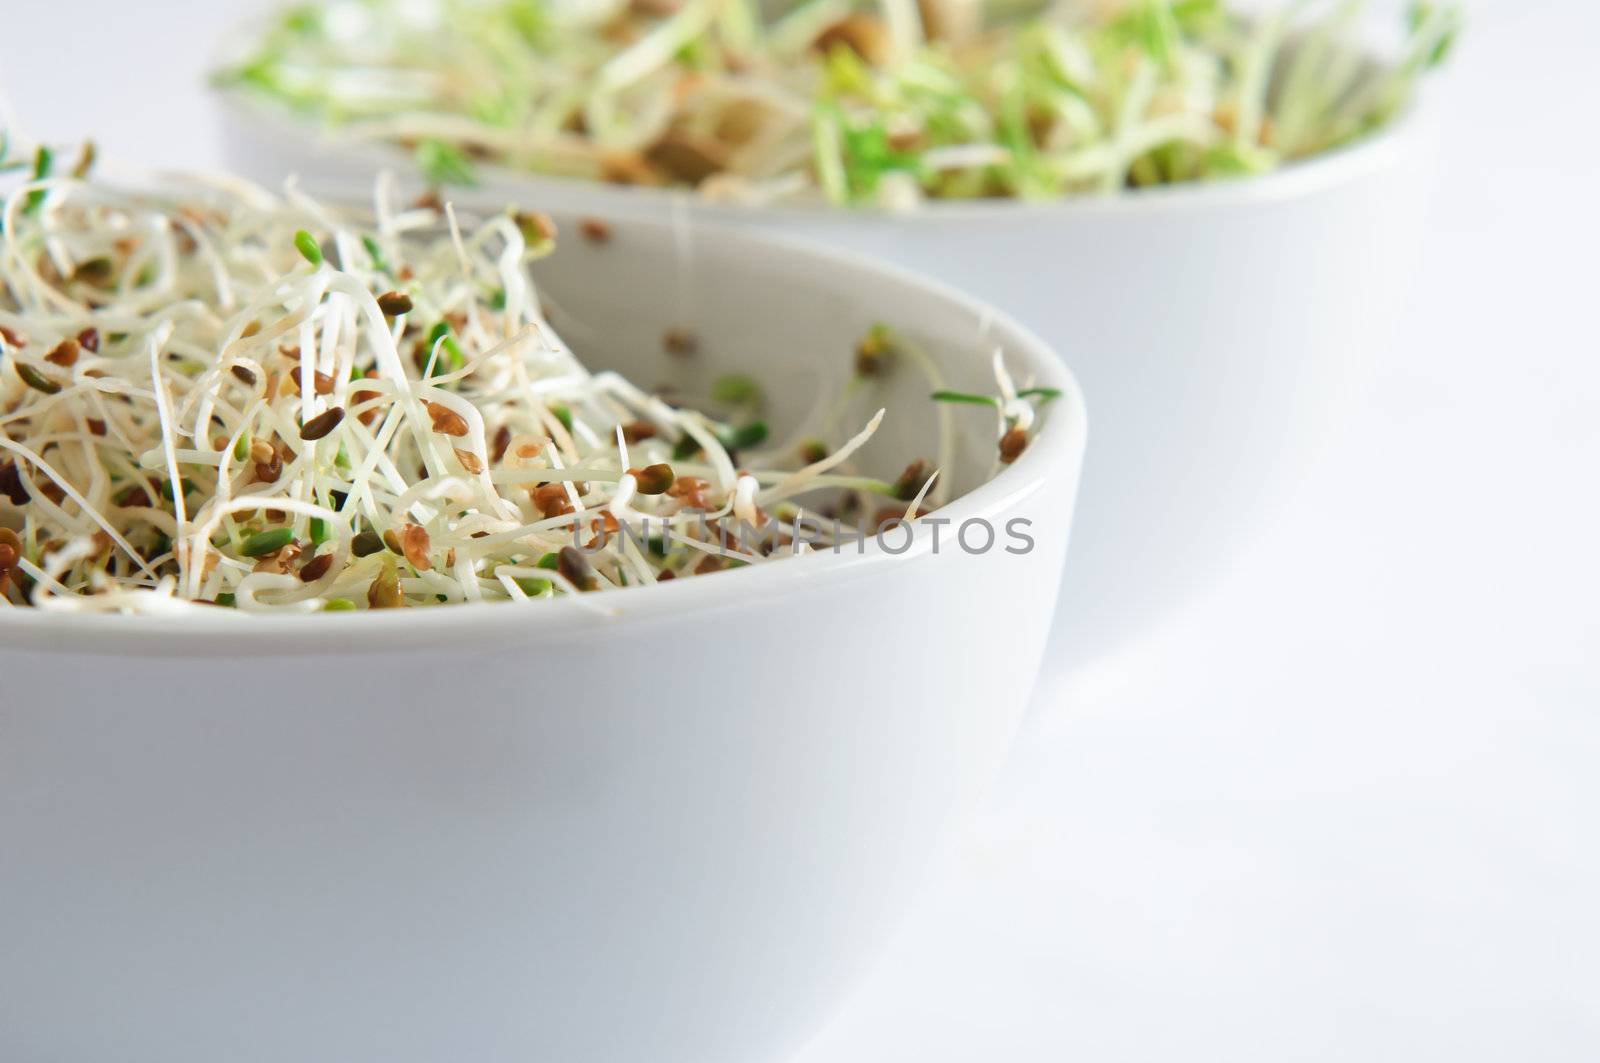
x=791, y=322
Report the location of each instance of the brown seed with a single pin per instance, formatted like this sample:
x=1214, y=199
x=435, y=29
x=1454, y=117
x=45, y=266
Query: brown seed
x=280, y=561
x=11, y=483
x=445, y=420
x=691, y=491
x=64, y=354
x=393, y=304
x=655, y=8
x=13, y=339
x=137, y=497
x=370, y=414
x=36, y=380
x=450, y=558
x=89, y=339
x=429, y=200
x=384, y=593
x=537, y=227
x=637, y=431
x=96, y=271
x=502, y=440
x=709, y=563
x=909, y=139
x=679, y=342
x=571, y=563
x=243, y=375
x=653, y=479
x=873, y=352
x=316, y=568
x=414, y=544
x=911, y=481
x=10, y=551
x=666, y=574
x=268, y=471
x=97, y=427
x=551, y=500
x=469, y=461
x=603, y=527
x=627, y=168
x=594, y=230
x=1012, y=444
x=321, y=382
x=687, y=157
x=366, y=543
x=322, y=423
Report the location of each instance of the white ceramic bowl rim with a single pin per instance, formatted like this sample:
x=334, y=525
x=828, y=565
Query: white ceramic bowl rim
x=1049, y=455
x=1370, y=152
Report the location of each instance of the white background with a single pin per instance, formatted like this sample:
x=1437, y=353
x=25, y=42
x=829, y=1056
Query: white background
x=1344, y=807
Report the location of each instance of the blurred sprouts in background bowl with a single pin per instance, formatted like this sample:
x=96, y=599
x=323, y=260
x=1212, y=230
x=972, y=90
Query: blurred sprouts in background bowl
x=887, y=104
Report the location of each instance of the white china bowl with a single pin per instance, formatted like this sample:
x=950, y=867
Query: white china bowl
x=1219, y=330
x=674, y=833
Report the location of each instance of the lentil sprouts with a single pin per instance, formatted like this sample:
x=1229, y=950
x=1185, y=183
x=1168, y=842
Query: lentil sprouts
x=261, y=402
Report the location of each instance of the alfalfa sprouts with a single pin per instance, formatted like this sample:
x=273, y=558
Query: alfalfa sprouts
x=214, y=395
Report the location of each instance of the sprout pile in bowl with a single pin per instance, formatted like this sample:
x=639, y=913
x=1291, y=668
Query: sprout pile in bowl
x=831, y=101
x=210, y=394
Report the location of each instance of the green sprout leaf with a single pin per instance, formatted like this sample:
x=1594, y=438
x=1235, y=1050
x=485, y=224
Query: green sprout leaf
x=736, y=389
x=442, y=163
x=308, y=247
x=375, y=253
x=267, y=542
x=961, y=396
x=43, y=159
x=439, y=339
x=750, y=435
x=1042, y=394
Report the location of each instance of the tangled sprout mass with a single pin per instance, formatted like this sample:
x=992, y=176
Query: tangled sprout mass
x=212, y=394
